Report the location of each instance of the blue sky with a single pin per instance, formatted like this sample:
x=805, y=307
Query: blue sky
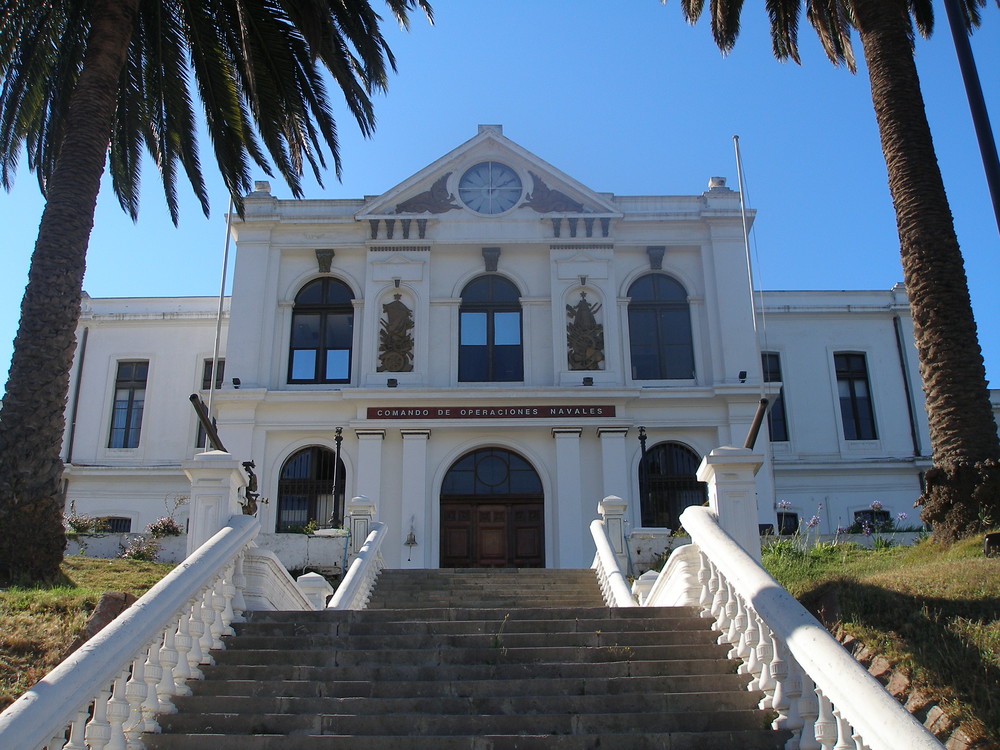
x=626, y=98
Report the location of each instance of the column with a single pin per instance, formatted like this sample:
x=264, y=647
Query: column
x=216, y=478
x=369, y=478
x=732, y=493
x=414, y=504
x=614, y=464
x=568, y=506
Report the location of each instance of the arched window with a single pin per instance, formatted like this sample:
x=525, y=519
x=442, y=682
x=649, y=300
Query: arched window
x=322, y=333
x=659, y=326
x=668, y=484
x=311, y=489
x=490, y=332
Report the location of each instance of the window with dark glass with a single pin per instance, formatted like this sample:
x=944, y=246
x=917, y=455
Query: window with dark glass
x=659, y=326
x=867, y=521
x=490, y=347
x=856, y=409
x=206, y=374
x=311, y=488
x=322, y=333
x=668, y=484
x=117, y=525
x=126, y=413
x=777, y=425
x=788, y=523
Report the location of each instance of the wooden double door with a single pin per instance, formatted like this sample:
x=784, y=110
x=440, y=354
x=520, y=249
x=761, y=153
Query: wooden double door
x=492, y=534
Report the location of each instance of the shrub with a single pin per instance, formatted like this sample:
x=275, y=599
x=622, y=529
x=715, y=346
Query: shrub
x=84, y=524
x=139, y=548
x=164, y=526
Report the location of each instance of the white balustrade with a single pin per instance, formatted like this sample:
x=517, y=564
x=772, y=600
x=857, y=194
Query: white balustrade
x=356, y=588
x=819, y=692
x=614, y=586
x=108, y=693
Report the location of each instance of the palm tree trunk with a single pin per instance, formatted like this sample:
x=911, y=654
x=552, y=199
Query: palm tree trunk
x=32, y=420
x=963, y=488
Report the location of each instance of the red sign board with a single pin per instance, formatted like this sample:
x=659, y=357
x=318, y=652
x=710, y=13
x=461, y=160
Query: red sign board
x=556, y=411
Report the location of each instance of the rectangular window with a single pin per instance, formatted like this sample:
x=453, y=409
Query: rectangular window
x=126, y=414
x=855, y=396
x=777, y=424
x=206, y=375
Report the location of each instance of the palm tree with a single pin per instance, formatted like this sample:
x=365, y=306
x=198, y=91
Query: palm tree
x=962, y=491
x=84, y=83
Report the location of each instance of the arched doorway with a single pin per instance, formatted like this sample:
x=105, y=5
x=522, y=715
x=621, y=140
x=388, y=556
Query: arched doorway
x=310, y=489
x=492, y=512
x=667, y=475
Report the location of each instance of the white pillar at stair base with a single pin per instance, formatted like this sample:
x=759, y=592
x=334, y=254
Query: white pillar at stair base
x=732, y=493
x=360, y=516
x=216, y=478
x=612, y=510
x=414, y=503
x=369, y=478
x=614, y=465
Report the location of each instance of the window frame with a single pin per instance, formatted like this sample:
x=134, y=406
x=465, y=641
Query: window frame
x=777, y=417
x=667, y=298
x=127, y=435
x=670, y=486
x=328, y=311
x=491, y=305
x=857, y=411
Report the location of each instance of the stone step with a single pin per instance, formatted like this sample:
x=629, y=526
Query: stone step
x=752, y=739
x=463, y=672
x=469, y=687
x=482, y=705
x=446, y=724
x=467, y=614
x=496, y=639
x=472, y=660
x=487, y=655
x=450, y=627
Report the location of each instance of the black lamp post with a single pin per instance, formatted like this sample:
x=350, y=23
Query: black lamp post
x=643, y=483
x=338, y=491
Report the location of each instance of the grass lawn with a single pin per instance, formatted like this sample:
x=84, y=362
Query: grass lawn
x=932, y=611
x=38, y=624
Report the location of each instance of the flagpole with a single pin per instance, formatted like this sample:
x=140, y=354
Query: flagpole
x=222, y=299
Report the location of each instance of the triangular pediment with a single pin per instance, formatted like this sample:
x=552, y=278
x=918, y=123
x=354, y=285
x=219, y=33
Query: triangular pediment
x=436, y=189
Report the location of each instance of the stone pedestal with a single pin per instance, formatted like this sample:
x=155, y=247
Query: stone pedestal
x=216, y=478
x=360, y=516
x=732, y=493
x=612, y=510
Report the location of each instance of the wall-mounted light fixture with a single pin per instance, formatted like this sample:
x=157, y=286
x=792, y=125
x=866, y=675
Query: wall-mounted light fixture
x=391, y=383
x=237, y=383
x=583, y=279
x=743, y=376
x=588, y=380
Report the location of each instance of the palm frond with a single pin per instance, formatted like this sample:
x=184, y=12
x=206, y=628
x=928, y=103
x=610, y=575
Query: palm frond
x=831, y=20
x=726, y=22
x=691, y=9
x=784, y=17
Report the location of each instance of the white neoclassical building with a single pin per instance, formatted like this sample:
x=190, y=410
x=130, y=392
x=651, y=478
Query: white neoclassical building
x=487, y=349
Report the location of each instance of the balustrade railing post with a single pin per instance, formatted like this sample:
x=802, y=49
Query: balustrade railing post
x=612, y=510
x=360, y=517
x=732, y=493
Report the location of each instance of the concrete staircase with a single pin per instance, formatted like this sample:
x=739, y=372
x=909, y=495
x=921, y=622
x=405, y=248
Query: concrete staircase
x=477, y=660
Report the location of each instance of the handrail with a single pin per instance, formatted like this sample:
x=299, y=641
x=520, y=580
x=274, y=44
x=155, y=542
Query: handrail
x=111, y=688
x=614, y=587
x=356, y=588
x=817, y=689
